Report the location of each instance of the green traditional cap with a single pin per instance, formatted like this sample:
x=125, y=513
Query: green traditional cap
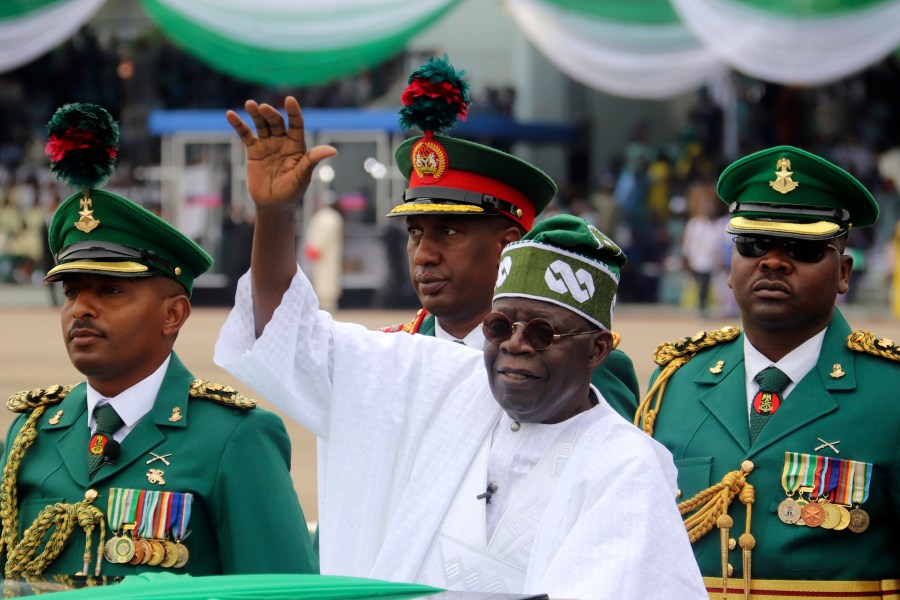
x=98, y=232
x=788, y=192
x=452, y=176
x=106, y=234
x=566, y=261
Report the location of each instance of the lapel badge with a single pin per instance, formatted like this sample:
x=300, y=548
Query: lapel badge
x=783, y=182
x=717, y=368
x=156, y=476
x=825, y=444
x=176, y=415
x=54, y=420
x=836, y=371
x=161, y=457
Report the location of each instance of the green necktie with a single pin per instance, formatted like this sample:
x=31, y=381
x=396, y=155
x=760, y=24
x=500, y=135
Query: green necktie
x=772, y=382
x=108, y=422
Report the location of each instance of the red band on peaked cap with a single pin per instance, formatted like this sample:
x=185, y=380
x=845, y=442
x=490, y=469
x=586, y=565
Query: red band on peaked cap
x=473, y=182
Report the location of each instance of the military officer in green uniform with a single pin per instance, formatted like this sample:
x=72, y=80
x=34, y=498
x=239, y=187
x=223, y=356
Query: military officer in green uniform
x=141, y=467
x=465, y=202
x=785, y=433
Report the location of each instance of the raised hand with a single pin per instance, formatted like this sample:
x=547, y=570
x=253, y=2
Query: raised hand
x=279, y=167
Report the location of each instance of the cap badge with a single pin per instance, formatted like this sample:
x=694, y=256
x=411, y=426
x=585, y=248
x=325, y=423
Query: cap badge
x=87, y=223
x=429, y=159
x=783, y=182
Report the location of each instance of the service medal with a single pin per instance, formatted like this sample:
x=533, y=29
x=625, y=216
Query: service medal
x=171, y=554
x=813, y=514
x=183, y=556
x=832, y=516
x=845, y=518
x=138, y=554
x=157, y=552
x=789, y=511
x=123, y=550
x=859, y=520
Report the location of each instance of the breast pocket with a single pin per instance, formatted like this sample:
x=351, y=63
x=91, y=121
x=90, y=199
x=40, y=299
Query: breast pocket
x=693, y=475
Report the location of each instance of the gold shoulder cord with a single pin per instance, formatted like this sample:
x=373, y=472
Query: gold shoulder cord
x=20, y=559
x=865, y=341
x=221, y=394
x=671, y=356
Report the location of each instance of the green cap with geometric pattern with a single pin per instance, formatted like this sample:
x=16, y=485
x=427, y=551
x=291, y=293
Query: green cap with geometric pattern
x=789, y=192
x=98, y=232
x=566, y=261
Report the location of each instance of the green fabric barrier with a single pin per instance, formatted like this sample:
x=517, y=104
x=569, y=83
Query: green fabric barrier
x=222, y=587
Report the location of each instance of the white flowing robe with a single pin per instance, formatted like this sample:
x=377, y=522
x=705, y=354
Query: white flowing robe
x=399, y=420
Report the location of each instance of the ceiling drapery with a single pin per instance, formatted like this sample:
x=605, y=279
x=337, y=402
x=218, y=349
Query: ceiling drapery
x=634, y=48
x=31, y=28
x=651, y=56
x=291, y=42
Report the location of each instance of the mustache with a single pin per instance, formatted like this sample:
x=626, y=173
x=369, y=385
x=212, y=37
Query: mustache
x=772, y=280
x=82, y=325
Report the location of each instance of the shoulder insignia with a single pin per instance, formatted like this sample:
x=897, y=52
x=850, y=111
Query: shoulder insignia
x=409, y=327
x=221, y=394
x=865, y=341
x=690, y=345
x=27, y=400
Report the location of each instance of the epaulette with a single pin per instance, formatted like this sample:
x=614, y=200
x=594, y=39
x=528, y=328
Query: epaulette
x=28, y=400
x=221, y=394
x=864, y=341
x=687, y=346
x=409, y=327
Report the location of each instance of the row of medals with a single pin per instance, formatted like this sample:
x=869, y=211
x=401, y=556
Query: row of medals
x=824, y=514
x=123, y=549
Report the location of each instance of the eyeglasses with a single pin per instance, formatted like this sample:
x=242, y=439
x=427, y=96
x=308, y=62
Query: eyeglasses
x=807, y=251
x=539, y=333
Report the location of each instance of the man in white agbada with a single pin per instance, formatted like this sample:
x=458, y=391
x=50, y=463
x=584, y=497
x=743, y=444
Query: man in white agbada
x=501, y=471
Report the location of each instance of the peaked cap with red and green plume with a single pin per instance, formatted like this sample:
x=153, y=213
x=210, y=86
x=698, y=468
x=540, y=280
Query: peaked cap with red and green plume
x=98, y=232
x=451, y=176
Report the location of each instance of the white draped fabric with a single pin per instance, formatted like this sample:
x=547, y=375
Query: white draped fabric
x=29, y=36
x=805, y=51
x=635, y=60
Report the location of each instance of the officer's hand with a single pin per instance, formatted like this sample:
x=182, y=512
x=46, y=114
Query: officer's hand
x=279, y=167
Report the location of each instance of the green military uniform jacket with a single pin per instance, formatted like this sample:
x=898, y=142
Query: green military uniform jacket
x=615, y=378
x=703, y=420
x=245, y=518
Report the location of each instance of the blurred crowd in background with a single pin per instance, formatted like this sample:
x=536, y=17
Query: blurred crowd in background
x=645, y=198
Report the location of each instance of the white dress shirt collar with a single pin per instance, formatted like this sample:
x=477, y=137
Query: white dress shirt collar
x=474, y=339
x=795, y=364
x=132, y=404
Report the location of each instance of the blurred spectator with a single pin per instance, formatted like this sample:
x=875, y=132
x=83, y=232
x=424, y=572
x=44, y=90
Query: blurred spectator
x=323, y=247
x=702, y=241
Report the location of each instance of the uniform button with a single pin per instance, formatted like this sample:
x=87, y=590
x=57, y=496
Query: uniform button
x=746, y=466
x=732, y=543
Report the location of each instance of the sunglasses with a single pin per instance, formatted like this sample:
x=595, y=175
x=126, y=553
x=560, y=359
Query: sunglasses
x=539, y=333
x=807, y=251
